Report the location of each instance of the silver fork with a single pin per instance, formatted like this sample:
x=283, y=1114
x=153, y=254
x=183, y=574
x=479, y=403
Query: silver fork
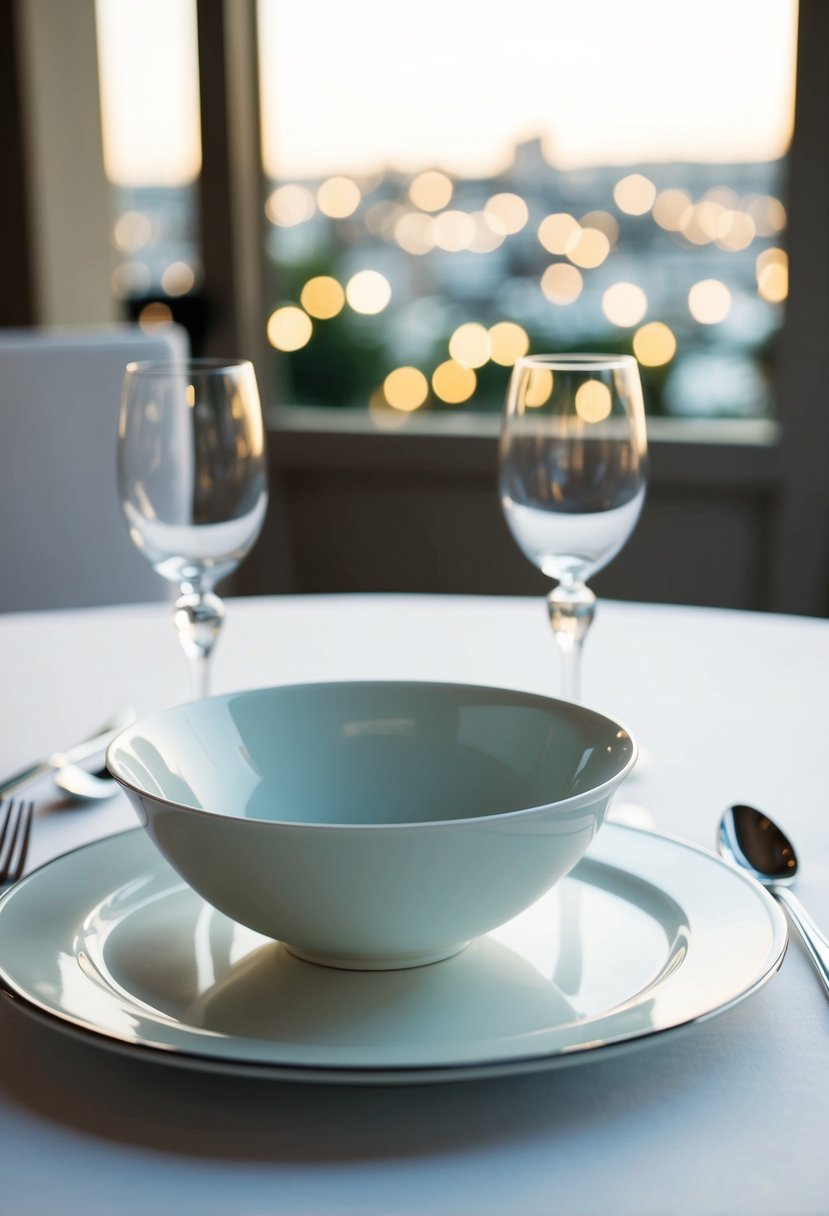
x=15, y=830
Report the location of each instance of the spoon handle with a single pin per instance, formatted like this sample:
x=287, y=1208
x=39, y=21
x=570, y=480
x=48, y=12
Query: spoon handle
x=815, y=942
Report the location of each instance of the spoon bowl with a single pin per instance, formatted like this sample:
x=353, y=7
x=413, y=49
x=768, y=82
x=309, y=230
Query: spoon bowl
x=754, y=843
x=86, y=785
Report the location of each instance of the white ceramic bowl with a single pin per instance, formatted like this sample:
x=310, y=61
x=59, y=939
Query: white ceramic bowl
x=372, y=825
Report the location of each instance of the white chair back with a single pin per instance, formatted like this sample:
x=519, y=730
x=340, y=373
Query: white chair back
x=63, y=541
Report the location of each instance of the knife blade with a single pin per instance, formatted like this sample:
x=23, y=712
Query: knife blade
x=98, y=742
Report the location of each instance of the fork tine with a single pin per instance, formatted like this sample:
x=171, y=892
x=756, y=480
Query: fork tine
x=14, y=840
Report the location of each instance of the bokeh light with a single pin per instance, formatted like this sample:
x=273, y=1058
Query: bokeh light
x=290, y=205
x=593, y=401
x=772, y=270
x=382, y=415
x=671, y=209
x=470, y=345
x=768, y=213
x=431, y=191
x=178, y=278
x=507, y=213
x=338, y=197
x=289, y=328
x=368, y=292
x=654, y=344
x=453, y=383
x=414, y=232
x=508, y=342
x=624, y=304
x=538, y=387
x=590, y=250
x=154, y=314
x=558, y=233
x=562, y=283
x=486, y=238
x=709, y=301
x=322, y=297
x=406, y=388
x=133, y=230
x=736, y=231
x=634, y=194
x=454, y=231
x=605, y=223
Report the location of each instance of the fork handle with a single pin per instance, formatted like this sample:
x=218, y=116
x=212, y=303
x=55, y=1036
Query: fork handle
x=25, y=776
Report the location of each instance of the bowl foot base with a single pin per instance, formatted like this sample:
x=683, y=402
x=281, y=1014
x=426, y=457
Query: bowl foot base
x=374, y=962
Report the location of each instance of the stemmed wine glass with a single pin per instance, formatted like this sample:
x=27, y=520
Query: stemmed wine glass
x=192, y=477
x=572, y=477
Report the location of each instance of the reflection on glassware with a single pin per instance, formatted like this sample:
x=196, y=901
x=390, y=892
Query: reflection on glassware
x=192, y=476
x=572, y=476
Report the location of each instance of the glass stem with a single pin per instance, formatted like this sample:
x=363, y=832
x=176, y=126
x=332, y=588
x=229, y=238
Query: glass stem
x=571, y=607
x=198, y=618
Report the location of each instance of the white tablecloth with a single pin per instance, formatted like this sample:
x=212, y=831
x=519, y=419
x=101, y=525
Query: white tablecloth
x=728, y=1118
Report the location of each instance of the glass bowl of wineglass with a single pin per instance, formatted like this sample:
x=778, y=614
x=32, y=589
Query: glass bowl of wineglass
x=193, y=483
x=573, y=464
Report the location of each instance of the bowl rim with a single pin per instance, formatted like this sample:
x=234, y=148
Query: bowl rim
x=567, y=804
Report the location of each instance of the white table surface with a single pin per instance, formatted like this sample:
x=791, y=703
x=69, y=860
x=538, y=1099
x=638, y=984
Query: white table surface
x=728, y=1118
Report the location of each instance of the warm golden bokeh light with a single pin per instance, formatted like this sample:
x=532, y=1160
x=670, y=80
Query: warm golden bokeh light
x=414, y=232
x=382, y=415
x=624, y=304
x=338, y=197
x=154, y=314
x=654, y=344
x=508, y=342
x=406, y=388
x=454, y=231
x=368, y=292
x=772, y=270
x=289, y=328
x=431, y=191
x=593, y=401
x=634, y=194
x=133, y=230
x=453, y=383
x=178, y=278
x=322, y=297
x=289, y=205
x=562, y=283
x=559, y=233
x=605, y=223
x=507, y=213
x=486, y=238
x=590, y=250
x=672, y=208
x=709, y=301
x=736, y=231
x=470, y=345
x=538, y=387
x=768, y=213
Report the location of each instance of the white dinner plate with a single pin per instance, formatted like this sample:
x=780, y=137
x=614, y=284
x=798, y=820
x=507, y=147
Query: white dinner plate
x=646, y=935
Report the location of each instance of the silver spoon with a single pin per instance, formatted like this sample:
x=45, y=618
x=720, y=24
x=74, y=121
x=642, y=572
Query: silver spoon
x=752, y=841
x=86, y=784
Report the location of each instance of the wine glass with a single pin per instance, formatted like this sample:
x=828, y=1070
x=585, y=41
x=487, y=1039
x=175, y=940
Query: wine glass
x=192, y=477
x=572, y=477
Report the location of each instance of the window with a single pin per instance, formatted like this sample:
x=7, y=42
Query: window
x=148, y=65
x=449, y=185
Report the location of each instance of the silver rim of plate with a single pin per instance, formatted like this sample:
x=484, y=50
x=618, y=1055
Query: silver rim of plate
x=648, y=935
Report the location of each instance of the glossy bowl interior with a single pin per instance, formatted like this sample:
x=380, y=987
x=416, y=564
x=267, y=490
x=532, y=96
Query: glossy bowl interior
x=372, y=824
